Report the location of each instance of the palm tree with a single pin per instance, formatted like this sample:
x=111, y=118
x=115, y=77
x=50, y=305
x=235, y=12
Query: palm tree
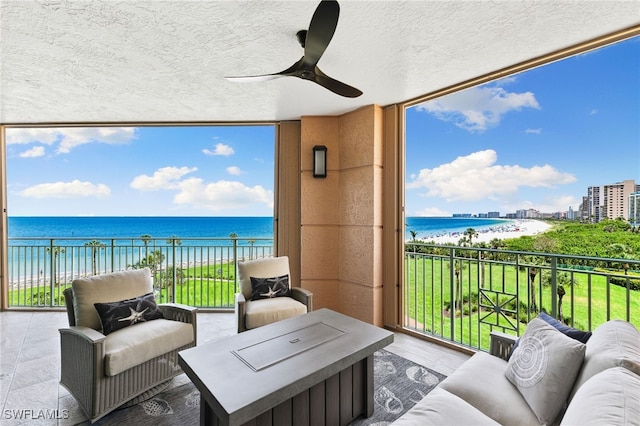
x=95, y=246
x=458, y=296
x=146, y=239
x=414, y=234
x=561, y=293
x=252, y=243
x=174, y=240
x=55, y=251
x=152, y=261
x=471, y=234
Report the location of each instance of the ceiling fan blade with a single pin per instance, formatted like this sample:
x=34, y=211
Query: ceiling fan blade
x=336, y=86
x=266, y=77
x=321, y=29
x=253, y=78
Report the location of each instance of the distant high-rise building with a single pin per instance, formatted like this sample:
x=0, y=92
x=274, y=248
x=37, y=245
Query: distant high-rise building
x=493, y=214
x=610, y=201
x=634, y=209
x=528, y=214
x=583, y=210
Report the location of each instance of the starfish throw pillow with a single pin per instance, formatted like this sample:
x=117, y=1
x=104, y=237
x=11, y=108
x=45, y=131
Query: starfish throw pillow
x=121, y=314
x=267, y=288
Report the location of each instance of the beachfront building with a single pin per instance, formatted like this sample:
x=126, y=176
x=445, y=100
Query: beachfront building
x=634, y=209
x=528, y=214
x=610, y=201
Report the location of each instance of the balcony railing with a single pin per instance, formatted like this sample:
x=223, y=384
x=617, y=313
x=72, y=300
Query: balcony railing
x=195, y=271
x=455, y=293
x=461, y=294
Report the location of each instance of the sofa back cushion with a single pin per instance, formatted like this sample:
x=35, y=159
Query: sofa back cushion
x=611, y=397
x=107, y=288
x=615, y=343
x=270, y=267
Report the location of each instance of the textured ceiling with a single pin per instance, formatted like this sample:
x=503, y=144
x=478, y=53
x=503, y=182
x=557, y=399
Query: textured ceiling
x=158, y=61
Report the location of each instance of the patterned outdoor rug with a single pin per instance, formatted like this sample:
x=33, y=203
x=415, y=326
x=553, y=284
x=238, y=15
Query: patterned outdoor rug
x=399, y=384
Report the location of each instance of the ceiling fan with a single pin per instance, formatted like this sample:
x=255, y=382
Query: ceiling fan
x=314, y=41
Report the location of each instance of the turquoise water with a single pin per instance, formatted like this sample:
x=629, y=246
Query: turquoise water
x=31, y=238
x=134, y=227
x=203, y=227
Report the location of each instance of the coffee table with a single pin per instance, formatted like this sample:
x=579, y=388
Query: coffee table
x=313, y=369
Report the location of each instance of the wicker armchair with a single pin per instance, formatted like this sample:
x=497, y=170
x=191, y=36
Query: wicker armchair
x=104, y=372
x=256, y=313
x=502, y=344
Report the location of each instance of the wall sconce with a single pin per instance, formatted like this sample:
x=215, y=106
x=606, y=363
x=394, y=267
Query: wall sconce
x=319, y=161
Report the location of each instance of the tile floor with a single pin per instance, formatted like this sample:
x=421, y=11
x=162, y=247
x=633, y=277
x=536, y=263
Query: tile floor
x=30, y=363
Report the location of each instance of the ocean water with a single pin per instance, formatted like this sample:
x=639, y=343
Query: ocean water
x=201, y=240
x=134, y=227
x=96, y=228
x=204, y=227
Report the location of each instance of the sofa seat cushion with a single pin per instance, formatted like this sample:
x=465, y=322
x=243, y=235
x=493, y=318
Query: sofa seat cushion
x=130, y=346
x=440, y=407
x=611, y=397
x=481, y=382
x=267, y=311
x=615, y=343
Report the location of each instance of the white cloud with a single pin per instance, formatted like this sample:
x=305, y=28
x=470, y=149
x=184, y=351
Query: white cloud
x=593, y=112
x=234, y=170
x=68, y=138
x=432, y=212
x=477, y=176
x=74, y=189
x=20, y=135
x=220, y=149
x=222, y=195
x=478, y=108
x=163, y=178
x=36, y=151
x=533, y=131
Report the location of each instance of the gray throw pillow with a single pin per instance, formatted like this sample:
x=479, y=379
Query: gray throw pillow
x=544, y=367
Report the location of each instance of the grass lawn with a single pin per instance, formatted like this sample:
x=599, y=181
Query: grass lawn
x=588, y=302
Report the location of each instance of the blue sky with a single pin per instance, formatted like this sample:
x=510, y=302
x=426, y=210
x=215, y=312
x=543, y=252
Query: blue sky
x=534, y=140
x=141, y=171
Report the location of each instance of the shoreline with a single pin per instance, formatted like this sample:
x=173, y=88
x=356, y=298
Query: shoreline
x=519, y=228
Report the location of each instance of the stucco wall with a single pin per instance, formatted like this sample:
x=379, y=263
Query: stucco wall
x=341, y=215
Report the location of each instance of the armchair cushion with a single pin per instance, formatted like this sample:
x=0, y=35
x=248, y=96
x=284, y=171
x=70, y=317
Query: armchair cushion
x=267, y=311
x=267, y=288
x=121, y=314
x=130, y=346
x=107, y=288
x=261, y=268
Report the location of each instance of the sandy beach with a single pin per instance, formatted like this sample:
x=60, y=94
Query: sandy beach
x=518, y=228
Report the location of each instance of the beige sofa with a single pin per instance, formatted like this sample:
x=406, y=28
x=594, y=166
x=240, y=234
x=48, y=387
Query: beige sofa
x=545, y=389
